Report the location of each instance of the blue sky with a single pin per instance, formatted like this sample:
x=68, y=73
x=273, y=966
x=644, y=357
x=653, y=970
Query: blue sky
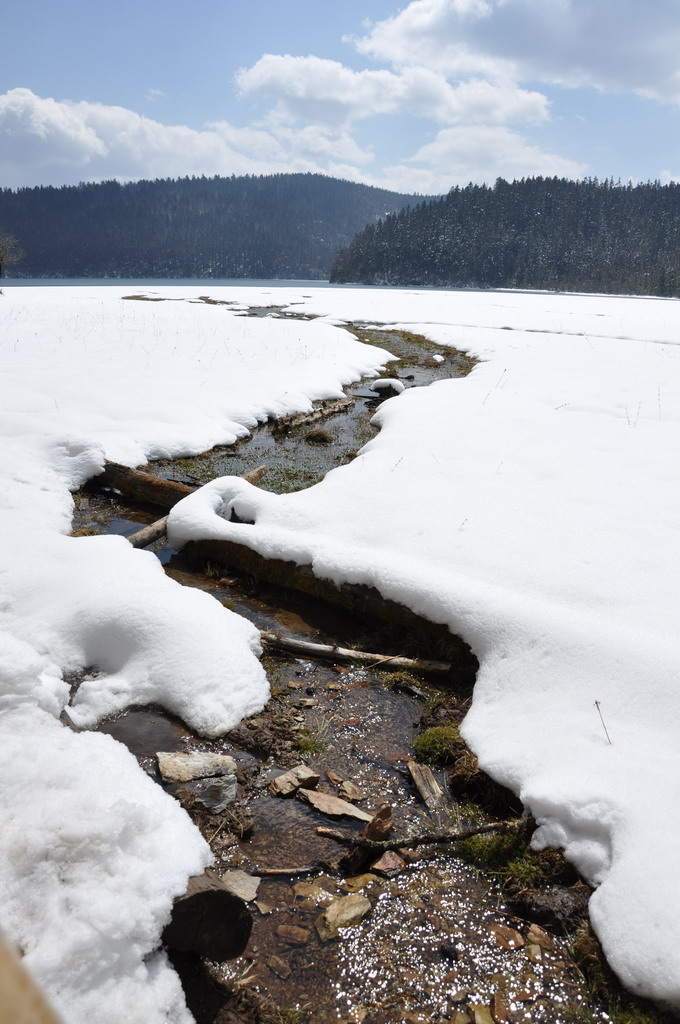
x=414, y=96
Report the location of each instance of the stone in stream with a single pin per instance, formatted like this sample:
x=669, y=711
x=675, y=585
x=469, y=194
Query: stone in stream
x=506, y=937
x=218, y=796
x=333, y=805
x=185, y=767
x=380, y=825
x=279, y=967
x=342, y=913
x=389, y=865
x=481, y=1014
x=349, y=791
x=293, y=934
x=241, y=884
x=300, y=777
x=312, y=894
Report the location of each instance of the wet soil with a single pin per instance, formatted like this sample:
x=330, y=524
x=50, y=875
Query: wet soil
x=434, y=946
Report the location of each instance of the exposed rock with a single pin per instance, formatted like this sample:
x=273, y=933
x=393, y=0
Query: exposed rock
x=300, y=777
x=264, y=908
x=342, y=913
x=506, y=937
x=349, y=791
x=389, y=865
x=293, y=934
x=333, y=805
x=184, y=767
x=241, y=884
x=332, y=776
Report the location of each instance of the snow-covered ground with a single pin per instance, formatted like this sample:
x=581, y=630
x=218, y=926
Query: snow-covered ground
x=92, y=852
x=532, y=506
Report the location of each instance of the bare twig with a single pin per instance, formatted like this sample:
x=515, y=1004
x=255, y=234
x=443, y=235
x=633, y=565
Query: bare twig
x=597, y=705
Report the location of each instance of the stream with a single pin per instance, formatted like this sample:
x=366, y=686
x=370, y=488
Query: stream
x=439, y=942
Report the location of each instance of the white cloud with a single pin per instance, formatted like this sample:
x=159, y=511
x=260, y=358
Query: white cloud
x=475, y=153
x=617, y=45
x=325, y=92
x=45, y=141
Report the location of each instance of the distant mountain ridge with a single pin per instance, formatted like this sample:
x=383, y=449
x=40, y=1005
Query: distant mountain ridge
x=554, y=233
x=270, y=226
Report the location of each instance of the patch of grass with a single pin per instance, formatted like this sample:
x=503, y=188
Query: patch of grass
x=440, y=745
x=310, y=741
x=395, y=680
x=282, y=1015
x=511, y=861
x=86, y=531
x=319, y=436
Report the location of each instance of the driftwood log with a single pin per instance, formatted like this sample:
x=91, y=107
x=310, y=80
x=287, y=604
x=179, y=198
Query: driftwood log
x=209, y=920
x=363, y=601
x=343, y=654
x=300, y=419
x=144, y=486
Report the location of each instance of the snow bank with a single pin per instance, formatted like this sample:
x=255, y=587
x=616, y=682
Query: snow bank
x=533, y=507
x=91, y=851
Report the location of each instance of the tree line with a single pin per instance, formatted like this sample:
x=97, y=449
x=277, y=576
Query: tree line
x=553, y=233
x=269, y=226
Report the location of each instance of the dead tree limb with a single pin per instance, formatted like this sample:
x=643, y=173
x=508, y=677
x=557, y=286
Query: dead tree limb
x=352, y=839
x=299, y=419
x=327, y=651
x=142, y=538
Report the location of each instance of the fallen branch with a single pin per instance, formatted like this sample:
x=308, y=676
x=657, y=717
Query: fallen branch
x=142, y=538
x=352, y=839
x=298, y=419
x=307, y=869
x=327, y=651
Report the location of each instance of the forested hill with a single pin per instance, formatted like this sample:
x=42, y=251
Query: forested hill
x=280, y=226
x=534, y=233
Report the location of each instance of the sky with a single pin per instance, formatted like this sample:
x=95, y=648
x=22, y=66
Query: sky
x=416, y=97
